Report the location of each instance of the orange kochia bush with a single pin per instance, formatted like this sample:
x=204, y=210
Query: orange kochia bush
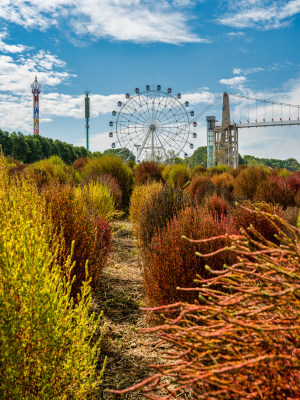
x=170, y=262
x=147, y=172
x=91, y=235
x=247, y=181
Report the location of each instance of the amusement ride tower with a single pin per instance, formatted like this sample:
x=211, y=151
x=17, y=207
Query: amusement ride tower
x=36, y=91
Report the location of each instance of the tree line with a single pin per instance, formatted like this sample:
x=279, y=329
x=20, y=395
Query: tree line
x=32, y=148
x=199, y=157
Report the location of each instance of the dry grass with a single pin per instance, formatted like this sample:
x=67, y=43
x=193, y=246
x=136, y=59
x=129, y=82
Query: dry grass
x=120, y=296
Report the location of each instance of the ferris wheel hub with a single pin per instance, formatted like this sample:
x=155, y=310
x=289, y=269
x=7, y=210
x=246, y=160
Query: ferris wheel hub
x=152, y=127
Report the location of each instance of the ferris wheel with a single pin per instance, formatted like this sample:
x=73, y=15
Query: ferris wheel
x=153, y=124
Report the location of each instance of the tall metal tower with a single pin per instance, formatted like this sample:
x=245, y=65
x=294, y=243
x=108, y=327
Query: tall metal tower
x=87, y=117
x=36, y=91
x=226, y=138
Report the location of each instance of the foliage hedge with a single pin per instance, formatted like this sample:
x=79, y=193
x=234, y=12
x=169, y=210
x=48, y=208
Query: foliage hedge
x=98, y=200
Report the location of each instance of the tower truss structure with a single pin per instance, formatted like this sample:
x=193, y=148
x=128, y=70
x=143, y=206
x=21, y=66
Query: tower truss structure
x=36, y=90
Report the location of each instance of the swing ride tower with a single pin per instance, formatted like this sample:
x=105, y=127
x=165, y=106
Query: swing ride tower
x=36, y=90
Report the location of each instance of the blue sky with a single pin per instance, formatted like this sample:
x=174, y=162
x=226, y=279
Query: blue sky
x=197, y=47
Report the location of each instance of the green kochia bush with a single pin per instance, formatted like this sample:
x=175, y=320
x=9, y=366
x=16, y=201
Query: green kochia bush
x=45, y=339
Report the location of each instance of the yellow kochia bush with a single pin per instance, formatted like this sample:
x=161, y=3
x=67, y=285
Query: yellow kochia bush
x=45, y=339
x=138, y=201
x=98, y=200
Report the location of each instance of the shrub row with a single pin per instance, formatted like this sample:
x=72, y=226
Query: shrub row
x=48, y=349
x=239, y=340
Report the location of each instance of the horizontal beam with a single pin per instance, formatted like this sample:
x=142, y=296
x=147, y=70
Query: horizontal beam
x=267, y=123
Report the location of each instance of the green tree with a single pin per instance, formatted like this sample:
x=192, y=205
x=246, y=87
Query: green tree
x=6, y=143
x=125, y=154
x=199, y=157
x=20, y=146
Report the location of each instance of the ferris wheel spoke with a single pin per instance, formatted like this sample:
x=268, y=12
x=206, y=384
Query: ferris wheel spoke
x=175, y=112
x=127, y=132
x=133, y=111
x=178, y=141
x=165, y=108
x=145, y=107
x=170, y=115
x=160, y=100
x=143, y=115
x=131, y=125
x=175, y=146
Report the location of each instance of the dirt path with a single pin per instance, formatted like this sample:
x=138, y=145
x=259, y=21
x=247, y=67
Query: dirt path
x=120, y=296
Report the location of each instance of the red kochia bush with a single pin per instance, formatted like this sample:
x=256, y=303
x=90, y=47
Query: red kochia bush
x=275, y=193
x=293, y=182
x=245, y=216
x=92, y=236
x=79, y=163
x=217, y=206
x=241, y=340
x=147, y=172
x=202, y=186
x=171, y=262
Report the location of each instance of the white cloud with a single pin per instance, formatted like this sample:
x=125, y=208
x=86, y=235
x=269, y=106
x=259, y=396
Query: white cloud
x=140, y=21
x=10, y=48
x=237, y=71
x=247, y=71
x=263, y=14
x=18, y=69
x=201, y=97
x=233, y=35
x=237, y=80
x=268, y=68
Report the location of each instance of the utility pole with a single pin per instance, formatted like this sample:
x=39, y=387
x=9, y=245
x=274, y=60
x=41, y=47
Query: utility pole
x=36, y=91
x=87, y=117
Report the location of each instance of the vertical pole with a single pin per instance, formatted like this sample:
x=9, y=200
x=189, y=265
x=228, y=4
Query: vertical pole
x=87, y=117
x=152, y=144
